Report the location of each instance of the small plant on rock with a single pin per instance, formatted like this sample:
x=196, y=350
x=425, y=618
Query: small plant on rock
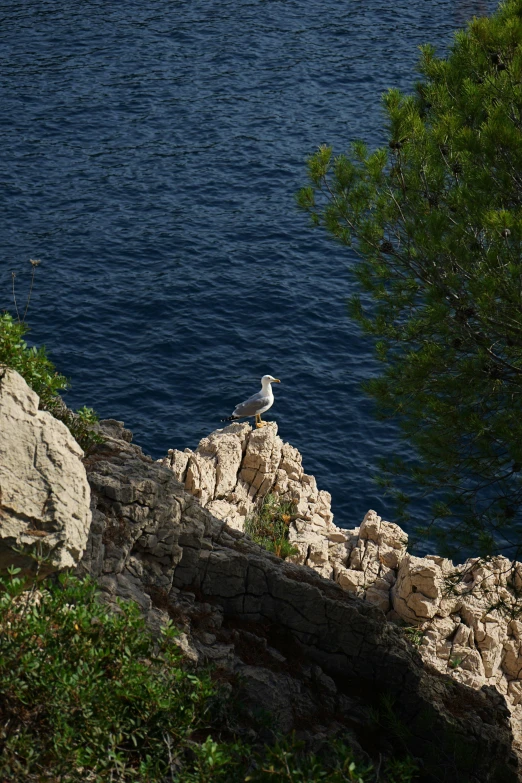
x=268, y=526
x=33, y=364
x=401, y=770
x=414, y=635
x=455, y=662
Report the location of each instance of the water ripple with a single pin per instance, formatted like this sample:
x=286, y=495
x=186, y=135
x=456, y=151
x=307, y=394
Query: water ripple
x=150, y=156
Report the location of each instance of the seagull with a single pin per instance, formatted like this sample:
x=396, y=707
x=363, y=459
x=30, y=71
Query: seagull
x=257, y=404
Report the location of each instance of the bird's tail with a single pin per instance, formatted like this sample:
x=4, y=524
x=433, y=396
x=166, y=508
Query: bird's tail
x=230, y=418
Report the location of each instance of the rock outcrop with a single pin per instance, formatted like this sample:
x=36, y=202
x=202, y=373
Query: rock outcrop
x=44, y=492
x=316, y=653
x=234, y=468
x=466, y=615
x=317, y=657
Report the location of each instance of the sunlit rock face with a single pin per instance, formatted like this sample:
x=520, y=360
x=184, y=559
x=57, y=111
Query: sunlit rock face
x=234, y=468
x=466, y=614
x=44, y=492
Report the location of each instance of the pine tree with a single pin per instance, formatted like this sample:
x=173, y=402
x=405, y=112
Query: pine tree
x=436, y=220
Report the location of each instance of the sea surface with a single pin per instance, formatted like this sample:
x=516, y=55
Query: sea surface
x=150, y=152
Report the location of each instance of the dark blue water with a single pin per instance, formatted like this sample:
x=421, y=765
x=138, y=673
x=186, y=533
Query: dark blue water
x=150, y=153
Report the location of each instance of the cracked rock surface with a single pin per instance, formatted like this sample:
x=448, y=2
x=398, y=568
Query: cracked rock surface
x=44, y=492
x=466, y=614
x=313, y=655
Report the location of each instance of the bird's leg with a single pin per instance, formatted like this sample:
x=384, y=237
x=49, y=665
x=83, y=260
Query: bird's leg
x=259, y=421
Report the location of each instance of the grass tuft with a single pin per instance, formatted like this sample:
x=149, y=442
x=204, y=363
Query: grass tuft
x=268, y=526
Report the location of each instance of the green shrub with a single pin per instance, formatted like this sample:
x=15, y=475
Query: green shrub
x=268, y=526
x=289, y=762
x=33, y=364
x=40, y=374
x=86, y=694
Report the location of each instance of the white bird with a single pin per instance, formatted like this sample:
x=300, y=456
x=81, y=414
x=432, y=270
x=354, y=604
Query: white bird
x=257, y=404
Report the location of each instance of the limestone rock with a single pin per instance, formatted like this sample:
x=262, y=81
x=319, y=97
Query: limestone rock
x=261, y=460
x=295, y=640
x=418, y=590
x=350, y=580
x=177, y=461
x=44, y=493
x=235, y=468
x=163, y=536
x=387, y=534
x=512, y=662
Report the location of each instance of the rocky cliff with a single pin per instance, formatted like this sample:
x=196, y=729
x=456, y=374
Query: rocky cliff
x=315, y=657
x=286, y=638
x=467, y=614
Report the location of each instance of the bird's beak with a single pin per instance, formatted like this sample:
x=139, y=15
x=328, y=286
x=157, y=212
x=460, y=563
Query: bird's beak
x=276, y=380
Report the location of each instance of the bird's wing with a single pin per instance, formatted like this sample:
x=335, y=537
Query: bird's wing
x=252, y=406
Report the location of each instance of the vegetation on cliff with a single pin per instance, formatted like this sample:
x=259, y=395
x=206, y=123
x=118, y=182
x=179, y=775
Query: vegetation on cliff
x=436, y=220
x=268, y=525
x=41, y=375
x=86, y=694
